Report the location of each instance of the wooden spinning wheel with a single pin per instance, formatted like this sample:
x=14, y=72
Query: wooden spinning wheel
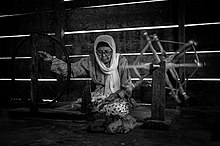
x=171, y=63
x=31, y=76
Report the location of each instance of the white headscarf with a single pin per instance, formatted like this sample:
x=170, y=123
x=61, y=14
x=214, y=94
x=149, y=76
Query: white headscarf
x=112, y=83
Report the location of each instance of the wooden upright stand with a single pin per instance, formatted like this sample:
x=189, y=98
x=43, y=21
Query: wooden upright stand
x=86, y=98
x=158, y=94
x=34, y=76
x=161, y=118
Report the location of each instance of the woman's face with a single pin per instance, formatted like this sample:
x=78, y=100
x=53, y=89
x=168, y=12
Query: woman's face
x=104, y=53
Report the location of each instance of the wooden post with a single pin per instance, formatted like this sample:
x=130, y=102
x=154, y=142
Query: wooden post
x=34, y=75
x=86, y=98
x=59, y=31
x=59, y=19
x=158, y=93
x=181, y=20
x=181, y=32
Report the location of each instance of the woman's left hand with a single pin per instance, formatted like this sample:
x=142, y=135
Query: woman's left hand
x=46, y=56
x=112, y=97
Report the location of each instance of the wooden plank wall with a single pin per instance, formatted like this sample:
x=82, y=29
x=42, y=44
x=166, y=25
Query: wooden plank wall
x=204, y=92
x=81, y=23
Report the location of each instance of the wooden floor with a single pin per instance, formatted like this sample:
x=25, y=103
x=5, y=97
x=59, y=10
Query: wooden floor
x=71, y=111
x=193, y=127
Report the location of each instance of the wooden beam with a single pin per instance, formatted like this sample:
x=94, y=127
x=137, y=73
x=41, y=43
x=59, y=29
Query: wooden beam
x=181, y=32
x=59, y=19
x=86, y=98
x=158, y=93
x=34, y=75
x=59, y=31
x=181, y=20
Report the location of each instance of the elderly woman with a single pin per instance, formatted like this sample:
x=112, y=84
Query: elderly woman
x=112, y=81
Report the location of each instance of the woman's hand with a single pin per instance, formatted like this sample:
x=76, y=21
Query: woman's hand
x=45, y=56
x=112, y=97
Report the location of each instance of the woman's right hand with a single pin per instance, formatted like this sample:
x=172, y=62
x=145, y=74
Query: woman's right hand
x=45, y=56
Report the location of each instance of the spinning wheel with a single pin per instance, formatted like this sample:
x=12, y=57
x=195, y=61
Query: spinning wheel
x=32, y=75
x=171, y=63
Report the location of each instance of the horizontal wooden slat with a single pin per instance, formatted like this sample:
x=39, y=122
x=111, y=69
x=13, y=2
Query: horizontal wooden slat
x=126, y=41
x=89, y=79
x=21, y=46
x=26, y=24
x=21, y=69
x=129, y=41
x=203, y=93
x=124, y=54
x=43, y=19
x=8, y=45
x=26, y=6
x=110, y=3
x=30, y=6
x=133, y=41
x=210, y=70
x=206, y=36
x=147, y=14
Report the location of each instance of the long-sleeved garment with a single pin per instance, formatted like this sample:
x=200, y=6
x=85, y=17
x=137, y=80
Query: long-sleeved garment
x=88, y=67
x=112, y=85
x=118, y=109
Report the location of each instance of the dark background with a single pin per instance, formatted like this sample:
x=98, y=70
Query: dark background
x=52, y=16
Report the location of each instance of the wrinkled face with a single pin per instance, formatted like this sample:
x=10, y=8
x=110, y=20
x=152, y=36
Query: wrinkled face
x=104, y=53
